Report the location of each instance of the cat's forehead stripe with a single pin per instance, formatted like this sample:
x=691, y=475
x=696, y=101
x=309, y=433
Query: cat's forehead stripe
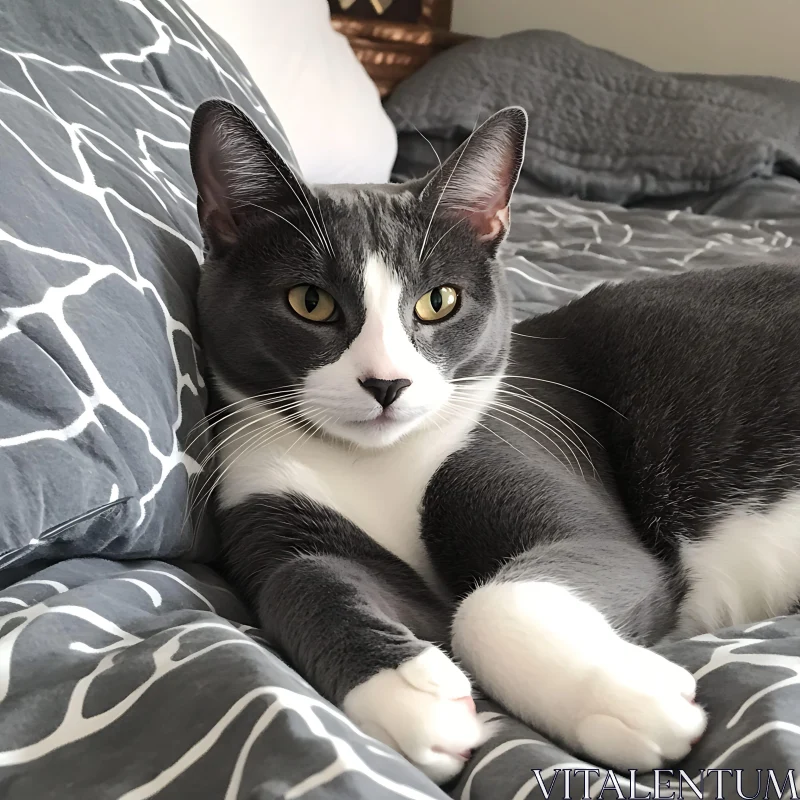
x=383, y=344
x=382, y=289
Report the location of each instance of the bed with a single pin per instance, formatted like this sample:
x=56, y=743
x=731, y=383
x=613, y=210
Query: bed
x=128, y=667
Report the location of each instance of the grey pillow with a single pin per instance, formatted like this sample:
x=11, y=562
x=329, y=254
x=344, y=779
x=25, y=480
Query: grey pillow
x=602, y=127
x=100, y=371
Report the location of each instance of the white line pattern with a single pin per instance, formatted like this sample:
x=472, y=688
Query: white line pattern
x=121, y=157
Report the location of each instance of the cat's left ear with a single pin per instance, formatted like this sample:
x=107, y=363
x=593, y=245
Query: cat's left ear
x=476, y=182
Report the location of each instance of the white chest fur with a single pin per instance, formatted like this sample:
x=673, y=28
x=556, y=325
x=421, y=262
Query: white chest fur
x=380, y=491
x=747, y=568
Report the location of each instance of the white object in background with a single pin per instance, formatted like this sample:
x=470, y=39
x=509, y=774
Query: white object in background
x=329, y=107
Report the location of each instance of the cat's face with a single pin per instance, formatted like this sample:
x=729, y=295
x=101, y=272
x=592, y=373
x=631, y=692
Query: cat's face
x=355, y=309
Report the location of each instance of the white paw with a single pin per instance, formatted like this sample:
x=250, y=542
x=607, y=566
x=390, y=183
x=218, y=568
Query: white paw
x=555, y=662
x=424, y=710
x=638, y=711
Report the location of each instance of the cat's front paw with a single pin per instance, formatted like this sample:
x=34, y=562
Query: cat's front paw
x=424, y=710
x=637, y=711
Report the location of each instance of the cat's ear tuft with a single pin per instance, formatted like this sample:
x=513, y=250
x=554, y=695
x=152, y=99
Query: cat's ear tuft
x=477, y=180
x=237, y=171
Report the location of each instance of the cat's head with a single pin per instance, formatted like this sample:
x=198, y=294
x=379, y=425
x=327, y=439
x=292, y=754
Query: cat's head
x=353, y=308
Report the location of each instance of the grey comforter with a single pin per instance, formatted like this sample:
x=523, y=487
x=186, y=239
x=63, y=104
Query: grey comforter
x=146, y=680
x=601, y=126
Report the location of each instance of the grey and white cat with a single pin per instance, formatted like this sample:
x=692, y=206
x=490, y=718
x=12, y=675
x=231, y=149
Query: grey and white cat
x=413, y=497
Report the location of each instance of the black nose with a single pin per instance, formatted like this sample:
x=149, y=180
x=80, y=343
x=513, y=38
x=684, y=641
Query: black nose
x=385, y=392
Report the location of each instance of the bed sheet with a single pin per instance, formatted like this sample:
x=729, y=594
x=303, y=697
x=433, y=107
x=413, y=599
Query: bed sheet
x=560, y=248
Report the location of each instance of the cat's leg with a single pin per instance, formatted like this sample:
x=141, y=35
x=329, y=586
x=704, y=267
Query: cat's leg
x=360, y=628
x=341, y=622
x=552, y=636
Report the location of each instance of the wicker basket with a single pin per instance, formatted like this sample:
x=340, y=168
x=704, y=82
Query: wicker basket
x=391, y=51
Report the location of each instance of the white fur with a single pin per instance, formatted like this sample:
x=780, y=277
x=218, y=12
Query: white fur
x=555, y=661
x=423, y=710
x=381, y=350
x=378, y=488
x=747, y=568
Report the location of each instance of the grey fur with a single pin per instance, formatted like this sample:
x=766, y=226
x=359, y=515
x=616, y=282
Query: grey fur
x=337, y=604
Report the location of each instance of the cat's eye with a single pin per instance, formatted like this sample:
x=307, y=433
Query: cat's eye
x=312, y=303
x=437, y=304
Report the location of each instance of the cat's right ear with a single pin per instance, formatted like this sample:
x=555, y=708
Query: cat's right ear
x=237, y=172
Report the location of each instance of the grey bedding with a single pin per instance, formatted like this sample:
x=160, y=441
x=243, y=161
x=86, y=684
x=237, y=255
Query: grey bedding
x=559, y=247
x=601, y=126
x=145, y=680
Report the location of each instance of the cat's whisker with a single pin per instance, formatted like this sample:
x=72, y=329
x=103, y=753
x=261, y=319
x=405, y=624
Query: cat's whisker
x=543, y=338
x=542, y=380
x=435, y=151
x=266, y=416
x=572, y=439
x=259, y=415
x=248, y=399
x=442, y=193
x=434, y=417
x=474, y=407
x=528, y=420
x=288, y=422
x=314, y=430
x=210, y=419
x=327, y=235
x=430, y=252
x=315, y=221
x=219, y=441
x=522, y=415
x=566, y=462
x=573, y=443
x=307, y=205
x=228, y=413
x=524, y=395
x=203, y=493
x=288, y=222
x=209, y=484
x=257, y=439
x=407, y=120
x=563, y=421
x=256, y=402
x=505, y=441
x=307, y=432
x=335, y=421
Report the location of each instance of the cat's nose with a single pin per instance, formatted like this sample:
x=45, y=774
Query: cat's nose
x=385, y=392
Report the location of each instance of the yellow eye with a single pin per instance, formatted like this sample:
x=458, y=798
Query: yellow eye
x=312, y=303
x=437, y=304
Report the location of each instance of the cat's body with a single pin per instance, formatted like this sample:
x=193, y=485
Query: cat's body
x=540, y=504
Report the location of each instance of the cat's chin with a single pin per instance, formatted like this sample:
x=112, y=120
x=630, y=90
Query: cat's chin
x=377, y=433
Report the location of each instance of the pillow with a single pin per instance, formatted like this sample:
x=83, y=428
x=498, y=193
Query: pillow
x=101, y=385
x=602, y=127
x=314, y=82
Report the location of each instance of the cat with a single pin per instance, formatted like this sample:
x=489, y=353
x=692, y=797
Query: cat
x=413, y=498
